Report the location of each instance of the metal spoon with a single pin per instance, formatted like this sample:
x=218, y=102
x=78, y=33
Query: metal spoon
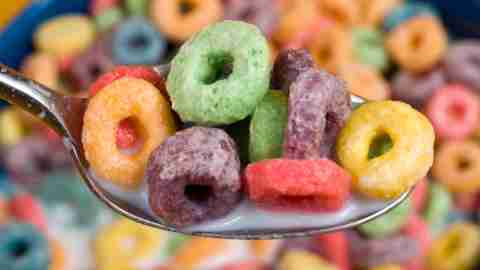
x=65, y=113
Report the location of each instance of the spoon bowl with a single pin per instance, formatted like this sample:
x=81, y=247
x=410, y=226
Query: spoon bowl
x=65, y=115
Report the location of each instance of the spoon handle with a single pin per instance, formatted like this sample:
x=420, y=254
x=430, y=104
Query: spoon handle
x=32, y=97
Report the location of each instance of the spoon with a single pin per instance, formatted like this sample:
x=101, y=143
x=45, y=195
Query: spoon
x=65, y=113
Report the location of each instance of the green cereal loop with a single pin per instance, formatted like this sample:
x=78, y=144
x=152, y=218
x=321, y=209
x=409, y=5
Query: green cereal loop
x=199, y=84
x=389, y=223
x=108, y=18
x=136, y=7
x=369, y=48
x=438, y=206
x=267, y=126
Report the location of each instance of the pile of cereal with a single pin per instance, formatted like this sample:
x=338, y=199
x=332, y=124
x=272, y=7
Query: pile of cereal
x=271, y=138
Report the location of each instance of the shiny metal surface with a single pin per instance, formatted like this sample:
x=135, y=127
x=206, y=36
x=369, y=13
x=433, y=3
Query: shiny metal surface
x=64, y=114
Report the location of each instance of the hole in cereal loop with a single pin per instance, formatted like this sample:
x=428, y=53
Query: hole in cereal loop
x=381, y=144
x=19, y=249
x=129, y=135
x=219, y=66
x=186, y=7
x=199, y=194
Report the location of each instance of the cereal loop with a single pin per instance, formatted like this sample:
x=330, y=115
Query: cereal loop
x=457, y=165
x=455, y=249
x=58, y=259
x=394, y=172
x=179, y=19
x=332, y=48
x=56, y=35
x=343, y=12
x=418, y=44
x=297, y=16
x=126, y=98
x=126, y=242
x=43, y=68
x=196, y=250
x=364, y=81
x=373, y=12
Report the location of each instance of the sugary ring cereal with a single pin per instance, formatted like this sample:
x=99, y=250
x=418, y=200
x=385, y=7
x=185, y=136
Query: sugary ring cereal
x=457, y=165
x=411, y=156
x=373, y=12
x=368, y=47
x=297, y=16
x=179, y=20
x=4, y=215
x=454, y=112
x=58, y=255
x=125, y=241
x=11, y=127
x=343, y=12
x=19, y=236
x=126, y=98
x=457, y=248
x=418, y=44
x=364, y=81
x=213, y=80
x=190, y=255
x=43, y=68
x=298, y=259
x=56, y=35
x=267, y=126
x=331, y=48
x=405, y=12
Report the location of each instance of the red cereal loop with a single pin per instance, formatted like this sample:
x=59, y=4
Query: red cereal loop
x=419, y=194
x=454, y=112
x=335, y=246
x=139, y=72
x=98, y=6
x=246, y=265
x=418, y=229
x=309, y=185
x=25, y=208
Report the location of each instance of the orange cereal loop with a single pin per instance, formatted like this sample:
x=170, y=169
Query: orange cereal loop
x=180, y=19
x=364, y=81
x=264, y=249
x=343, y=12
x=332, y=48
x=4, y=215
x=373, y=12
x=418, y=44
x=195, y=251
x=58, y=259
x=296, y=17
x=126, y=98
x=457, y=165
x=43, y=68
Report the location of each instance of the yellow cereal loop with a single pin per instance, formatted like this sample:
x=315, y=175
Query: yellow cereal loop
x=65, y=35
x=124, y=242
x=299, y=259
x=456, y=249
x=43, y=68
x=388, y=267
x=195, y=251
x=388, y=175
x=126, y=98
x=11, y=129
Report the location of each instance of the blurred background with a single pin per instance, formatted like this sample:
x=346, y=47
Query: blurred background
x=421, y=52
